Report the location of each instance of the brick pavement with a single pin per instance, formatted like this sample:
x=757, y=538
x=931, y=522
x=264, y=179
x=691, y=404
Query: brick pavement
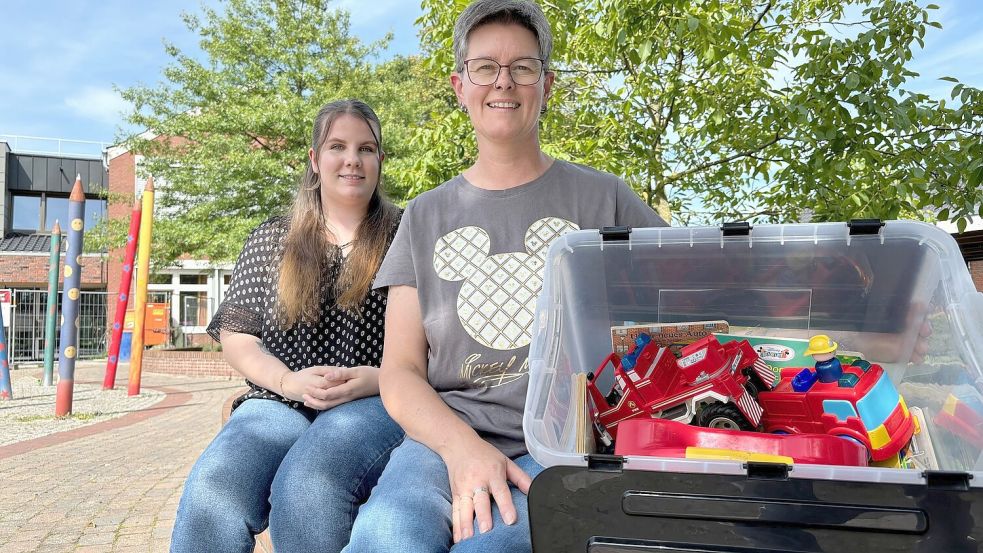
x=111, y=487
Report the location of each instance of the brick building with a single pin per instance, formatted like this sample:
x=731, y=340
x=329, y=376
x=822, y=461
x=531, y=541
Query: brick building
x=191, y=289
x=36, y=178
x=971, y=245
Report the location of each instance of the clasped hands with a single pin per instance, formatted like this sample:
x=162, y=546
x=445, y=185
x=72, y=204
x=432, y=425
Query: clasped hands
x=323, y=387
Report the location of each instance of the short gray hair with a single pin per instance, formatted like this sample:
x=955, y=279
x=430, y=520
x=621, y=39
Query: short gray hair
x=525, y=13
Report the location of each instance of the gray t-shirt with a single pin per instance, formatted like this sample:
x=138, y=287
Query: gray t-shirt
x=476, y=258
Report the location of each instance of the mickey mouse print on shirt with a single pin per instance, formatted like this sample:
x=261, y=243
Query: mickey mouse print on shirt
x=497, y=302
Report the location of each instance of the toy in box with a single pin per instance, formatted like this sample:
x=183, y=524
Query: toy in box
x=897, y=291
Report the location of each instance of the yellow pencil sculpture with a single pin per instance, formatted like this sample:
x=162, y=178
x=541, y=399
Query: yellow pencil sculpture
x=140, y=298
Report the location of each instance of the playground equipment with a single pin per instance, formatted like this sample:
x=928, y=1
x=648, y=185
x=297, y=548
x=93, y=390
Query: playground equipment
x=143, y=274
x=51, y=313
x=68, y=349
x=122, y=298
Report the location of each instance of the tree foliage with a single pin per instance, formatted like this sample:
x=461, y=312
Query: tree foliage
x=229, y=130
x=768, y=110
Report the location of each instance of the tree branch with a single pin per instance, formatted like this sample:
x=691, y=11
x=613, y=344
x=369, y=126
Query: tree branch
x=676, y=176
x=757, y=21
x=591, y=71
x=648, y=108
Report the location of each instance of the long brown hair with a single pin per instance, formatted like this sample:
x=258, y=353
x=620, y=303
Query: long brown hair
x=306, y=258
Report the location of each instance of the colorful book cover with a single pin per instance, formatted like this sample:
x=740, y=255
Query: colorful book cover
x=671, y=335
x=784, y=352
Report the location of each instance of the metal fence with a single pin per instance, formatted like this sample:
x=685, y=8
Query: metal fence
x=27, y=325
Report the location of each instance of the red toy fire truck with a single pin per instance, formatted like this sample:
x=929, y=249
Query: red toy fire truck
x=862, y=404
x=710, y=384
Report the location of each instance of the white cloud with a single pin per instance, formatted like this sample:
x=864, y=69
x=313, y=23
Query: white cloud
x=100, y=104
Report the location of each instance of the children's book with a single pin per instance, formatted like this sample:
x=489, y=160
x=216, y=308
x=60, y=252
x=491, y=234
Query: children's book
x=584, y=430
x=784, y=352
x=671, y=335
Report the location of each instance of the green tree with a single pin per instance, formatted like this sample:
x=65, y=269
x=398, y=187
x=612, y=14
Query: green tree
x=229, y=130
x=745, y=109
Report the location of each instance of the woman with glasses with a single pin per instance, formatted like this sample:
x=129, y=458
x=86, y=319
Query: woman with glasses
x=463, y=276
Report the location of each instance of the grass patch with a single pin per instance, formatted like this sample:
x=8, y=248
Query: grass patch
x=74, y=416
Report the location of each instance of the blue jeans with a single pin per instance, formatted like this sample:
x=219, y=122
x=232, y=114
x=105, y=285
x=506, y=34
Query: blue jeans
x=273, y=465
x=410, y=509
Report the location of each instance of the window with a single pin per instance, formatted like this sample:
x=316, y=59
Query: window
x=194, y=279
x=840, y=408
x=27, y=213
x=194, y=309
x=39, y=213
x=95, y=211
x=879, y=403
x=56, y=209
x=160, y=278
x=158, y=297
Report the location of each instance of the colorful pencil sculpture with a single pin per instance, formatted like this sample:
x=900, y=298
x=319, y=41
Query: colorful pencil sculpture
x=140, y=299
x=6, y=391
x=122, y=298
x=68, y=346
x=51, y=313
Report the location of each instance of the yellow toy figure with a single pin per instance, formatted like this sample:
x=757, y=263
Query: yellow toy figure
x=823, y=349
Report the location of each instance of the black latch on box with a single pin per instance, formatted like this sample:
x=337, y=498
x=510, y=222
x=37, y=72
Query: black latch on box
x=947, y=480
x=767, y=471
x=605, y=463
x=864, y=226
x=739, y=228
x=615, y=233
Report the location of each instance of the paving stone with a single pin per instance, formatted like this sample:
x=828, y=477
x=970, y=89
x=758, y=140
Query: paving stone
x=20, y=546
x=113, y=486
x=97, y=538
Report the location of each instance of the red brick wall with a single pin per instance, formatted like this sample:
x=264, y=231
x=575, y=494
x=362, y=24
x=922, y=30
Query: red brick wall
x=976, y=271
x=122, y=177
x=188, y=363
x=199, y=339
x=122, y=180
x=32, y=271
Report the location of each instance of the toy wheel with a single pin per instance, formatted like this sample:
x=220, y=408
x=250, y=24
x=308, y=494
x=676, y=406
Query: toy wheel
x=851, y=438
x=724, y=416
x=753, y=387
x=856, y=441
x=754, y=383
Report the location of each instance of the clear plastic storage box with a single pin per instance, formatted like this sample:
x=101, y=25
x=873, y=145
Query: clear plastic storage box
x=899, y=293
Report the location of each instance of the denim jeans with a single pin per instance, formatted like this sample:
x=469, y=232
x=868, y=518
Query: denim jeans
x=410, y=509
x=272, y=465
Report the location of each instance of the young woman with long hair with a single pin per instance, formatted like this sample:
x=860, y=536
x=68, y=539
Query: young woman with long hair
x=304, y=446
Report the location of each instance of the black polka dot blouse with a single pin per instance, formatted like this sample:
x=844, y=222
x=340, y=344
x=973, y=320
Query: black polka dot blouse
x=340, y=338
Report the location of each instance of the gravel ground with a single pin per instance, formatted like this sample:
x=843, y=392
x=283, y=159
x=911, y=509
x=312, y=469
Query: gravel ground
x=31, y=414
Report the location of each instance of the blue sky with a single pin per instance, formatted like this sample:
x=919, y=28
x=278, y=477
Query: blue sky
x=60, y=59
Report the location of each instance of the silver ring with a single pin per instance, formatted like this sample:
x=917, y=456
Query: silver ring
x=479, y=489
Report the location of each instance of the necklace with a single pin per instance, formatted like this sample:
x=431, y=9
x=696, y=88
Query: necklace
x=345, y=245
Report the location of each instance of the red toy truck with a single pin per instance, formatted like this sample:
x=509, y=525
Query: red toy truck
x=711, y=384
x=862, y=405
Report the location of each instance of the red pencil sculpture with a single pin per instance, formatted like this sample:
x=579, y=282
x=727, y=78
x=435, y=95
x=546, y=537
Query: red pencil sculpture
x=122, y=298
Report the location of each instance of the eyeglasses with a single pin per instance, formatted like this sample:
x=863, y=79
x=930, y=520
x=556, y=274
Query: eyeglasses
x=524, y=71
